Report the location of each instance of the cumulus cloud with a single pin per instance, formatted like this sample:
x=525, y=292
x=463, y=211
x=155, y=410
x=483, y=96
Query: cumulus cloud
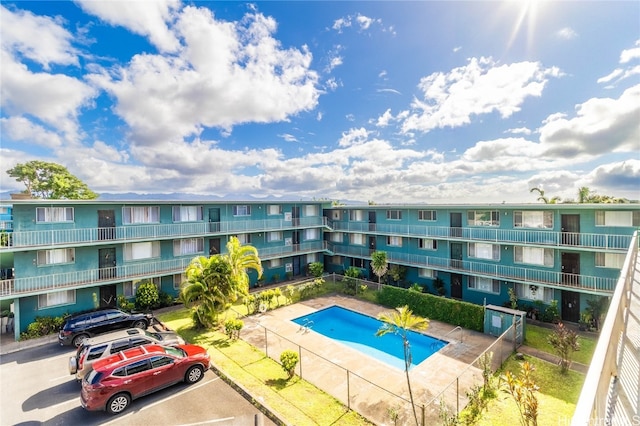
x=21, y=129
x=601, y=125
x=148, y=19
x=480, y=87
x=628, y=69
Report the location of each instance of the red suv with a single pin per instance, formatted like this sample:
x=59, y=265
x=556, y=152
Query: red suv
x=117, y=380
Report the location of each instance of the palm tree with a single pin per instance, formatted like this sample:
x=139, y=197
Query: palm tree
x=584, y=195
x=552, y=200
x=379, y=264
x=241, y=258
x=209, y=288
x=400, y=322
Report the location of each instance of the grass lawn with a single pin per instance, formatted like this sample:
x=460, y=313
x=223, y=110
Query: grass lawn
x=537, y=338
x=295, y=400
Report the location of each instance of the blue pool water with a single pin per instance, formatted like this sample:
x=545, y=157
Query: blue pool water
x=358, y=331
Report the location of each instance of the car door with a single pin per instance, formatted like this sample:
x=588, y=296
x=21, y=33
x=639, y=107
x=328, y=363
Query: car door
x=99, y=324
x=139, y=378
x=116, y=319
x=165, y=371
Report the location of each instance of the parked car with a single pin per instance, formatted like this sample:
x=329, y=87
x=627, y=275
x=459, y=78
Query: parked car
x=108, y=344
x=78, y=327
x=117, y=380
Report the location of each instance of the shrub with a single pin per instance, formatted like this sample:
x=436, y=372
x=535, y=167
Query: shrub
x=232, y=328
x=42, y=326
x=316, y=269
x=124, y=303
x=146, y=296
x=165, y=299
x=289, y=359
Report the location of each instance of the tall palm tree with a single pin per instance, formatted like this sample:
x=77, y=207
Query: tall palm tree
x=241, y=258
x=546, y=200
x=209, y=288
x=379, y=264
x=400, y=322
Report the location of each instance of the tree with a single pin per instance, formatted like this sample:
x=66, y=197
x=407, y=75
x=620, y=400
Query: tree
x=147, y=295
x=50, y=181
x=565, y=342
x=596, y=308
x=523, y=390
x=544, y=199
x=210, y=288
x=379, y=264
x=289, y=359
x=400, y=322
x=241, y=258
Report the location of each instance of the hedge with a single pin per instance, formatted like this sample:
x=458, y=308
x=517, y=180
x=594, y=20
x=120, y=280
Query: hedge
x=466, y=315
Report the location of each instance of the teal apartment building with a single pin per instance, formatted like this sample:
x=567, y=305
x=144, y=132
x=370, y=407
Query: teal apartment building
x=65, y=256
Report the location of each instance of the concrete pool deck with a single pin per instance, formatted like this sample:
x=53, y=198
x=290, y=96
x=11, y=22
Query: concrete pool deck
x=371, y=387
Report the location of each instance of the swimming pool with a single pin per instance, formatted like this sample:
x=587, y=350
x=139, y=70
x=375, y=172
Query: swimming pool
x=358, y=331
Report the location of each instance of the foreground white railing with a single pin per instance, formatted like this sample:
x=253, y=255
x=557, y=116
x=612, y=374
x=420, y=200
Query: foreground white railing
x=610, y=391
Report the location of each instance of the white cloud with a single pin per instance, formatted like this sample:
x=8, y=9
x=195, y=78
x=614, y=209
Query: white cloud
x=21, y=129
x=147, y=18
x=384, y=119
x=51, y=46
x=601, y=125
x=480, y=87
x=519, y=131
x=567, y=33
x=628, y=55
x=288, y=137
x=353, y=137
x=362, y=22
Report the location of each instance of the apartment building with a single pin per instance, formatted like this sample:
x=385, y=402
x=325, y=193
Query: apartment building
x=65, y=256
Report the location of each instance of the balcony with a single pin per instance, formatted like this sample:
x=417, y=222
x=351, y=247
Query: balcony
x=493, y=235
x=25, y=240
x=583, y=283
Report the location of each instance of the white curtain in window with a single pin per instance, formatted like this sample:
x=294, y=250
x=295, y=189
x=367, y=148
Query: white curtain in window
x=274, y=209
x=310, y=210
x=618, y=218
x=187, y=213
x=483, y=251
x=311, y=234
x=357, y=239
x=337, y=237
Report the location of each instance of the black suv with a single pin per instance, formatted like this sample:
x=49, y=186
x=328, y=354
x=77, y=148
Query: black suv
x=78, y=327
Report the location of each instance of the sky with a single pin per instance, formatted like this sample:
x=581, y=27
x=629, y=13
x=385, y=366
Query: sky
x=441, y=102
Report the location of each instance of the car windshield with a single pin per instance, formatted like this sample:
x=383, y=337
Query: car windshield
x=156, y=336
x=93, y=377
x=177, y=352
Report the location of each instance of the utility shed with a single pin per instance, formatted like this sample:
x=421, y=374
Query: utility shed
x=498, y=319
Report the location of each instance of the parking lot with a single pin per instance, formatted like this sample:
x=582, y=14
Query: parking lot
x=37, y=389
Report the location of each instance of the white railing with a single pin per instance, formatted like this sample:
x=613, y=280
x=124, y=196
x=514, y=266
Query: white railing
x=56, y=237
x=511, y=236
x=610, y=391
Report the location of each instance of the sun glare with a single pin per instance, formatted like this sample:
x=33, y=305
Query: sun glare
x=526, y=13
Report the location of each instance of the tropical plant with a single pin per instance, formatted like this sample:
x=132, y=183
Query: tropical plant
x=147, y=296
x=209, y=289
x=51, y=181
x=397, y=273
x=513, y=298
x=596, y=308
x=350, y=280
x=544, y=199
x=316, y=269
x=289, y=359
x=523, y=390
x=232, y=328
x=551, y=313
x=565, y=342
x=241, y=258
x=379, y=264
x=416, y=287
x=400, y=322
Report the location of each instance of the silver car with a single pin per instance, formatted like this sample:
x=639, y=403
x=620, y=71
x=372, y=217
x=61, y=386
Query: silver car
x=105, y=345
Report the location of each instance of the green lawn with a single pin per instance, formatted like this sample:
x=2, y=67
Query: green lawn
x=536, y=337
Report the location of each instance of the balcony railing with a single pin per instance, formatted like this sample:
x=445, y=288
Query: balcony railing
x=32, y=285
x=585, y=283
x=57, y=237
x=610, y=392
x=510, y=236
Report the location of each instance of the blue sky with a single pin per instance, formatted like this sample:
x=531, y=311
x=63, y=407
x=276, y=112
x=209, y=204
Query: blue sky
x=390, y=102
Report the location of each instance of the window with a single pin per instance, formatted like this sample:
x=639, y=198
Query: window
x=274, y=209
x=483, y=218
x=311, y=210
x=394, y=241
x=533, y=219
x=427, y=244
x=312, y=257
x=429, y=215
x=336, y=260
x=610, y=260
x=4, y=210
x=145, y=250
x=140, y=214
x=275, y=263
x=131, y=287
x=57, y=256
x=534, y=292
x=311, y=234
x=138, y=367
x=244, y=238
x=426, y=273
x=394, y=214
x=484, y=251
x=187, y=213
x=356, y=215
x=188, y=246
x=159, y=361
x=274, y=236
x=533, y=255
x=54, y=214
x=335, y=215
x=242, y=210
x=337, y=237
x=357, y=239
x=178, y=279
x=484, y=284
x=614, y=218
x=57, y=298
x=357, y=263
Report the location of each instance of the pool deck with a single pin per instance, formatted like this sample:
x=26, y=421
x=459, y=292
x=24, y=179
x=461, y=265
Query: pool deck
x=325, y=361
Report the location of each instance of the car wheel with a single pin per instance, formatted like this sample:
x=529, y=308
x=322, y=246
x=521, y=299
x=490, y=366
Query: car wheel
x=79, y=339
x=194, y=374
x=118, y=403
x=140, y=324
